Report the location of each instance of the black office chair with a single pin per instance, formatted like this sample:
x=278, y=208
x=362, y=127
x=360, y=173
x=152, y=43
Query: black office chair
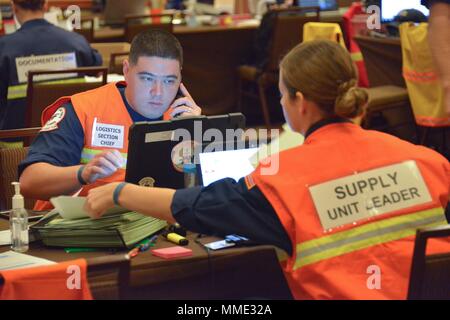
x=109, y=276
x=430, y=274
x=287, y=32
x=135, y=24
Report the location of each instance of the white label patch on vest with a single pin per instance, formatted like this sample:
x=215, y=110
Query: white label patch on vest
x=369, y=194
x=46, y=62
x=107, y=135
x=52, y=123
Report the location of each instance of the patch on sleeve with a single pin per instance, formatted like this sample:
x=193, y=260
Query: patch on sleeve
x=249, y=182
x=52, y=123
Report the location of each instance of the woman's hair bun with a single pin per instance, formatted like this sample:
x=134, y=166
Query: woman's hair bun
x=351, y=100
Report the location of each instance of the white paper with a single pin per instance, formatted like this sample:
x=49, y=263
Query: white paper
x=72, y=207
x=44, y=62
x=107, y=135
x=226, y=164
x=13, y=260
x=5, y=238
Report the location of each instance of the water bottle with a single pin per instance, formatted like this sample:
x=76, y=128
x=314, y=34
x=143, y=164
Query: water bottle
x=190, y=175
x=18, y=222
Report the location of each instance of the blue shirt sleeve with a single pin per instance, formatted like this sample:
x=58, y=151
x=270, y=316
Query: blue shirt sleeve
x=59, y=147
x=226, y=207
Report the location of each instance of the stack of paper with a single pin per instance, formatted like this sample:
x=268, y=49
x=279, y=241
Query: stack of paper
x=119, y=229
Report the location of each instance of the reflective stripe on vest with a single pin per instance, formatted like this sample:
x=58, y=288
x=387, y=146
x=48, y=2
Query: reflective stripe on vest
x=20, y=91
x=17, y=92
x=432, y=122
x=357, y=56
x=421, y=77
x=365, y=236
x=88, y=154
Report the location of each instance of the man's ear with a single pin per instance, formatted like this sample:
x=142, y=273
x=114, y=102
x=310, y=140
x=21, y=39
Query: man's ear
x=45, y=6
x=126, y=68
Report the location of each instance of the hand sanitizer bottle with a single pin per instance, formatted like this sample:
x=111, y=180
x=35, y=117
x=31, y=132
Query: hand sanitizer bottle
x=18, y=222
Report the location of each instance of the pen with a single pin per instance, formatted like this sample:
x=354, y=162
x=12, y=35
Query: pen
x=146, y=244
x=75, y=250
x=133, y=252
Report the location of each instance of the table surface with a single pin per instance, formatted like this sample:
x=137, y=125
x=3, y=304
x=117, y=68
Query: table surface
x=234, y=271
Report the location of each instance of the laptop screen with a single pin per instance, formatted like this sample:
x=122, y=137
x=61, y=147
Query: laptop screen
x=322, y=4
x=226, y=164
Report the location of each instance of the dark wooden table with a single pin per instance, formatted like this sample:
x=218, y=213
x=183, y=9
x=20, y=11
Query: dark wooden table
x=246, y=272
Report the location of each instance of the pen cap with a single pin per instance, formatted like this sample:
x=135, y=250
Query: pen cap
x=189, y=168
x=17, y=200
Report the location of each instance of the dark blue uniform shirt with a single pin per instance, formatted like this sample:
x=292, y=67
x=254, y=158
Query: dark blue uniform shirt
x=62, y=147
x=35, y=37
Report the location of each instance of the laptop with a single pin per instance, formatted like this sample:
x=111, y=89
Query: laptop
x=158, y=149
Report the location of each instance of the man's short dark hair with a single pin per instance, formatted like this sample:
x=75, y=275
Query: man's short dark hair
x=33, y=5
x=156, y=43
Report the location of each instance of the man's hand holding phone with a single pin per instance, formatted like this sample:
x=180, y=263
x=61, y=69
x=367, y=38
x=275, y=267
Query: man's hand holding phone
x=184, y=106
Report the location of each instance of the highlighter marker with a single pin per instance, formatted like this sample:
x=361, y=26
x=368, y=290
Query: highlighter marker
x=177, y=239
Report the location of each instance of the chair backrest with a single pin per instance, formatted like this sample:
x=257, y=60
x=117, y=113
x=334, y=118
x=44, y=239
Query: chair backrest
x=42, y=94
x=116, y=62
x=9, y=162
x=100, y=280
x=389, y=110
x=108, y=277
x=136, y=24
x=108, y=48
x=87, y=29
x=323, y=31
x=430, y=274
x=288, y=32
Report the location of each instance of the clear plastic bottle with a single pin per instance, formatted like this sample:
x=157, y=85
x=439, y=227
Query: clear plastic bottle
x=18, y=222
x=190, y=175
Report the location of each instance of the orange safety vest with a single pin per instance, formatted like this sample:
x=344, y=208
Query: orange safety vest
x=61, y=281
x=335, y=264
x=355, y=9
x=323, y=31
x=424, y=86
x=102, y=105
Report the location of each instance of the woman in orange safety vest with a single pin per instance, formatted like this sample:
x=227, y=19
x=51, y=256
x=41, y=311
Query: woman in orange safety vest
x=344, y=206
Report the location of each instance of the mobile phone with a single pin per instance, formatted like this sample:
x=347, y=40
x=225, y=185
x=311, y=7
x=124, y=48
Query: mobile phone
x=217, y=245
x=178, y=95
x=239, y=240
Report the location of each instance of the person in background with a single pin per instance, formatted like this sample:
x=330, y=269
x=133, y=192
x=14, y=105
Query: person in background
x=329, y=206
x=439, y=38
x=84, y=141
x=34, y=42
